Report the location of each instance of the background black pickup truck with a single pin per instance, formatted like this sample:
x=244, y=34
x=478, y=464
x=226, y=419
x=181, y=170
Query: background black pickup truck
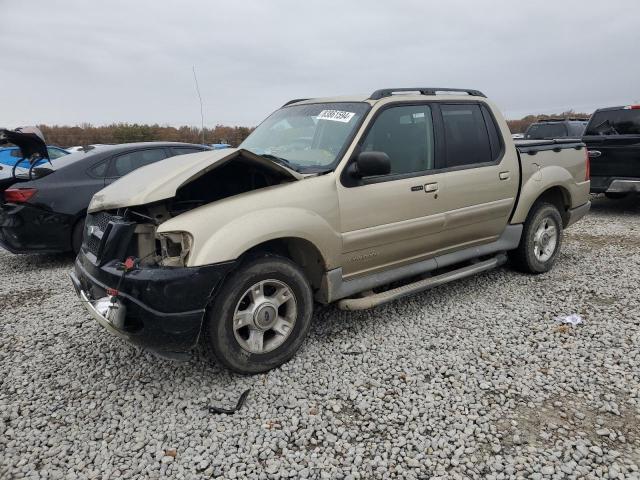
x=613, y=140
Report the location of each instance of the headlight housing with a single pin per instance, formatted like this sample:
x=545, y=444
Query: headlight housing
x=174, y=248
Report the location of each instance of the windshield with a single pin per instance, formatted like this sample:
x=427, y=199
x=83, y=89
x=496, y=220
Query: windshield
x=615, y=122
x=310, y=138
x=540, y=131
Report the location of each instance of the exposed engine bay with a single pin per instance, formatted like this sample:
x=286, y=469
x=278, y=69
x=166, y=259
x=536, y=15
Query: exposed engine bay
x=141, y=240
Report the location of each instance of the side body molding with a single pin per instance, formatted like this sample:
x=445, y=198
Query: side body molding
x=335, y=288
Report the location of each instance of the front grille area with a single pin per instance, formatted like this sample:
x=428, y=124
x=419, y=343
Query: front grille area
x=96, y=225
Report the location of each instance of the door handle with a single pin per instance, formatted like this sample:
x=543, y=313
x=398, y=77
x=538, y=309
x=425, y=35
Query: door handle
x=594, y=153
x=504, y=175
x=431, y=187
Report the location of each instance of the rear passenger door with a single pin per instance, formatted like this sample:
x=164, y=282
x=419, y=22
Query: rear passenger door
x=127, y=162
x=480, y=181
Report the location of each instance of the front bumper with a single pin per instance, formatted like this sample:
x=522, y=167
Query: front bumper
x=165, y=307
x=26, y=228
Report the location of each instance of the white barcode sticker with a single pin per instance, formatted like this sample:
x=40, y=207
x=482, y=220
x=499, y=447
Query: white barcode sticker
x=336, y=115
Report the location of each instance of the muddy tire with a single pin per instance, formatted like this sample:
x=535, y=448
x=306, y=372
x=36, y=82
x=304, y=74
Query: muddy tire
x=261, y=315
x=541, y=240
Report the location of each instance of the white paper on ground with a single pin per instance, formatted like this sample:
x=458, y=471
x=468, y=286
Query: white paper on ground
x=573, y=319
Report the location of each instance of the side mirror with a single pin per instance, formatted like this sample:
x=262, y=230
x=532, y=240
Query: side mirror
x=369, y=164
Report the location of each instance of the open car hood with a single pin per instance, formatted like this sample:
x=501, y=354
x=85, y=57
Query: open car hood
x=161, y=180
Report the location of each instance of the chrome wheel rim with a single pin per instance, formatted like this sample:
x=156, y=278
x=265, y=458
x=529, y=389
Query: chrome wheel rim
x=265, y=316
x=545, y=239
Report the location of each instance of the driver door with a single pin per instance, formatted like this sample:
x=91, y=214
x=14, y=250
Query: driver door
x=393, y=219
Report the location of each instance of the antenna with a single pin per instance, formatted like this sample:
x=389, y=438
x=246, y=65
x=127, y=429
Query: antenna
x=200, y=98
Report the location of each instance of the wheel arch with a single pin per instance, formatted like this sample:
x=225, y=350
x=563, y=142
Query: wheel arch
x=300, y=251
x=535, y=191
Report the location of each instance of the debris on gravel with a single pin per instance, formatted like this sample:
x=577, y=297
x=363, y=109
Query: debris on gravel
x=469, y=380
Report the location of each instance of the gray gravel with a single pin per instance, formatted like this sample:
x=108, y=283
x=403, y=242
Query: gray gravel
x=471, y=380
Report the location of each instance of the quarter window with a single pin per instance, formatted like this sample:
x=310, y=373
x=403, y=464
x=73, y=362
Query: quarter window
x=466, y=137
x=406, y=135
x=99, y=170
x=130, y=161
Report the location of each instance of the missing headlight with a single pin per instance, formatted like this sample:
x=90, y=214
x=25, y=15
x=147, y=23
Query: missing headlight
x=174, y=248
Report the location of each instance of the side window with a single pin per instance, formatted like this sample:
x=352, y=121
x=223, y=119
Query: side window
x=130, y=161
x=465, y=134
x=405, y=134
x=99, y=170
x=185, y=150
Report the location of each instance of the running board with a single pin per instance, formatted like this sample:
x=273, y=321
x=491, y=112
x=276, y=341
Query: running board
x=376, y=299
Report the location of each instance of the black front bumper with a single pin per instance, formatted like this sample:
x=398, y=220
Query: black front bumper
x=165, y=306
x=26, y=228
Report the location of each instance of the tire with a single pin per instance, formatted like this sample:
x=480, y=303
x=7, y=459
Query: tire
x=615, y=195
x=240, y=303
x=537, y=252
x=76, y=236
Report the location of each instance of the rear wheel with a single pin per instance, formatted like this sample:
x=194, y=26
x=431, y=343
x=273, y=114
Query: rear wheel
x=615, y=195
x=541, y=240
x=261, y=315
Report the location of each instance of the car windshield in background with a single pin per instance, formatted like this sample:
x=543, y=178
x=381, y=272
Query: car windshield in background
x=308, y=138
x=546, y=130
x=615, y=122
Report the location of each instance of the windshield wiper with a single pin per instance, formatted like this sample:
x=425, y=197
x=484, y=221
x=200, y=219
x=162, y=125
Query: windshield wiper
x=281, y=161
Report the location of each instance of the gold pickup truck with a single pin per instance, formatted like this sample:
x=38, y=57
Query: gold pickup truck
x=356, y=200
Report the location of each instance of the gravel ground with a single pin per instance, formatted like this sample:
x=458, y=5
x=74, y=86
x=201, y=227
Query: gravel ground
x=470, y=380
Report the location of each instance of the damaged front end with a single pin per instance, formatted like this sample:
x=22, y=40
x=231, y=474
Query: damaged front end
x=137, y=281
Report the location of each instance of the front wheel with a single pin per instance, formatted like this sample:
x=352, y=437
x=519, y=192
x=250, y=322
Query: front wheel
x=260, y=316
x=541, y=240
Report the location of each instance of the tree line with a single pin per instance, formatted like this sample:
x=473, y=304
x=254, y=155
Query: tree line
x=87, y=134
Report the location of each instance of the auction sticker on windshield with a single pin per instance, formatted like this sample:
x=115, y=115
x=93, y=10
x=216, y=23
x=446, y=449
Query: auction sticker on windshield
x=336, y=115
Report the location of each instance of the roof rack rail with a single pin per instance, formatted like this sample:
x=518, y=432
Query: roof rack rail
x=387, y=92
x=294, y=101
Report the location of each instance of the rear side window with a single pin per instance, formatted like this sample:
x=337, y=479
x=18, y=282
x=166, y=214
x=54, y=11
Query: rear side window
x=542, y=131
x=185, y=150
x=406, y=135
x=615, y=122
x=466, y=136
x=130, y=161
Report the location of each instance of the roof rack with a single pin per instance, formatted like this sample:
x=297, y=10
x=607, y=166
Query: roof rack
x=295, y=100
x=387, y=92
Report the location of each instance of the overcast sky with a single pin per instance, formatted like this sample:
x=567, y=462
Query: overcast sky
x=68, y=62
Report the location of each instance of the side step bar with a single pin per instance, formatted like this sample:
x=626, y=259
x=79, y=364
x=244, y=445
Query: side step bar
x=376, y=299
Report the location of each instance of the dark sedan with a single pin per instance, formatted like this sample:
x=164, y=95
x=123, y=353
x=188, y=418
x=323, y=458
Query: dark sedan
x=46, y=214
